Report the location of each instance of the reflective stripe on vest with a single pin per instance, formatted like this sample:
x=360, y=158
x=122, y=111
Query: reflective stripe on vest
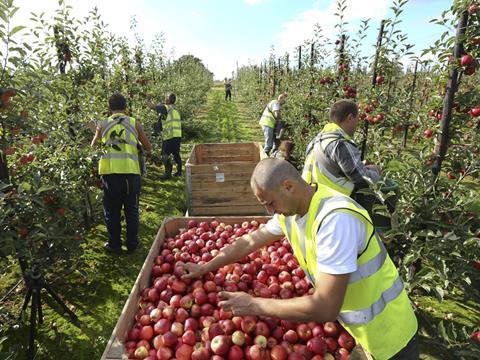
x=173, y=123
x=366, y=315
x=318, y=168
x=120, y=139
x=314, y=173
x=376, y=309
x=268, y=119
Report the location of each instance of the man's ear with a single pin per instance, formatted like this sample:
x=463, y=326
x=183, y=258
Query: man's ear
x=288, y=185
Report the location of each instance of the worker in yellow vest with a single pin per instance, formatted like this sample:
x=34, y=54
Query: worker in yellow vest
x=171, y=134
x=333, y=159
x=336, y=245
x=119, y=167
x=270, y=121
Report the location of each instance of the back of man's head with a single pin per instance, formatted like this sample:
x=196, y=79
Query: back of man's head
x=270, y=173
x=341, y=109
x=171, y=98
x=282, y=97
x=117, y=102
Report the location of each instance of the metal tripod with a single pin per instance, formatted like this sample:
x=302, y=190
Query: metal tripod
x=35, y=283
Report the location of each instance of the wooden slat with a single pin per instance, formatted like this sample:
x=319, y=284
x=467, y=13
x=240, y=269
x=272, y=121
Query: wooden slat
x=226, y=177
x=229, y=210
x=220, y=187
x=225, y=168
x=230, y=150
x=230, y=199
x=222, y=159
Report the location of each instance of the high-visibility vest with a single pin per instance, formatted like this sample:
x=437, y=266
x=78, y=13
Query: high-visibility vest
x=120, y=137
x=173, y=123
x=376, y=310
x=268, y=119
x=318, y=168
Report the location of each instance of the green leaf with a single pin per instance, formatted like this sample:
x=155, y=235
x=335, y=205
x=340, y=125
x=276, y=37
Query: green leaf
x=26, y=186
x=440, y=293
x=17, y=29
x=45, y=188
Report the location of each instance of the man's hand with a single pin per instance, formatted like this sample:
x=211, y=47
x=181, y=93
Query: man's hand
x=239, y=303
x=374, y=167
x=194, y=270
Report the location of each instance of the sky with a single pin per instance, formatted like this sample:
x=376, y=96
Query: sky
x=225, y=32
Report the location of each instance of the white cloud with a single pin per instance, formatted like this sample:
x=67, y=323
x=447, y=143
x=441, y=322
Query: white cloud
x=301, y=28
x=254, y=2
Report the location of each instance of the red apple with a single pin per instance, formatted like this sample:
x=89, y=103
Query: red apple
x=317, y=346
x=290, y=336
x=346, y=341
x=278, y=352
x=141, y=352
x=304, y=332
x=331, y=329
x=183, y=352
x=220, y=345
x=235, y=353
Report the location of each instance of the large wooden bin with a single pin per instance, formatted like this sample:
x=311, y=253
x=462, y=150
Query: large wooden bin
x=115, y=349
x=218, y=179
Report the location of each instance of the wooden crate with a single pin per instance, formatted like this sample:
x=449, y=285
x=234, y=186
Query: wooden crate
x=218, y=179
x=115, y=349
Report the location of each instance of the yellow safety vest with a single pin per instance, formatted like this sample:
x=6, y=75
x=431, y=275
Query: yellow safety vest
x=173, y=124
x=320, y=169
x=268, y=119
x=120, y=137
x=376, y=310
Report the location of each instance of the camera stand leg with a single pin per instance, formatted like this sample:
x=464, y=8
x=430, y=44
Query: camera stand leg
x=36, y=283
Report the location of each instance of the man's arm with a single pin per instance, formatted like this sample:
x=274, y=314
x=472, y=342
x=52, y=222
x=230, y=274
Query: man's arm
x=98, y=134
x=236, y=251
x=323, y=305
x=142, y=137
x=348, y=157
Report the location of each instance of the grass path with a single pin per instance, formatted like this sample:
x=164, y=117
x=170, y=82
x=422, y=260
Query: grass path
x=98, y=288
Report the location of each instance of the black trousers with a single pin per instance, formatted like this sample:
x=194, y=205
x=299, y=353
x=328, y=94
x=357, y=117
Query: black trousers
x=228, y=94
x=409, y=352
x=171, y=147
x=121, y=191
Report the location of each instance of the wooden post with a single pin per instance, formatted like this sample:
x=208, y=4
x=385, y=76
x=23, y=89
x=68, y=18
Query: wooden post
x=443, y=137
x=410, y=107
x=312, y=54
x=374, y=82
x=299, y=57
x=341, y=58
x=4, y=175
x=286, y=63
x=274, y=77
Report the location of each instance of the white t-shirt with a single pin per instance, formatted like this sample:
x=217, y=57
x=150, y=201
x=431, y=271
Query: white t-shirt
x=275, y=106
x=339, y=241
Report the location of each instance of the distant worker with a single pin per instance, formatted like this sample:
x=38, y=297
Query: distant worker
x=228, y=89
x=333, y=159
x=171, y=135
x=285, y=152
x=270, y=121
x=119, y=168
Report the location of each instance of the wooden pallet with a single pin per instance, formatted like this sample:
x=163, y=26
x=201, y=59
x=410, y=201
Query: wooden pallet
x=218, y=179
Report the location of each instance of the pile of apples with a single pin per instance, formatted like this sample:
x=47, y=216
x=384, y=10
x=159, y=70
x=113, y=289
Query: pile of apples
x=180, y=318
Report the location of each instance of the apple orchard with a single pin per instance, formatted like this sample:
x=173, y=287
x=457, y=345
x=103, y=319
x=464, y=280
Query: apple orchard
x=420, y=122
